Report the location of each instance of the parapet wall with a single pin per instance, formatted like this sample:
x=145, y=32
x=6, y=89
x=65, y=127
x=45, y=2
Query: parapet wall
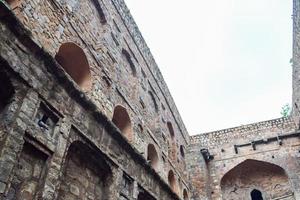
x=242, y=133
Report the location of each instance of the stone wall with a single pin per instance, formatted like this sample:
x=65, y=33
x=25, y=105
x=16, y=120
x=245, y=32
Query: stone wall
x=274, y=142
x=49, y=111
x=106, y=31
x=85, y=114
x=251, y=175
x=296, y=60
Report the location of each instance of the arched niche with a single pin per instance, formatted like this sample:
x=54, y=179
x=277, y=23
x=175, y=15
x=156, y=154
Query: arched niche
x=13, y=3
x=152, y=156
x=182, y=152
x=129, y=61
x=74, y=61
x=153, y=101
x=86, y=171
x=122, y=120
x=271, y=179
x=172, y=143
x=171, y=130
x=172, y=180
x=185, y=195
x=100, y=11
x=6, y=90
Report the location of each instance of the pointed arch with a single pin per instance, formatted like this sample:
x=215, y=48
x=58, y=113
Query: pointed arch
x=74, y=61
x=85, y=166
x=122, y=120
x=268, y=177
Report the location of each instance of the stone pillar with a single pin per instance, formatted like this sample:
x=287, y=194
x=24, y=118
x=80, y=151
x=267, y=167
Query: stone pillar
x=116, y=178
x=52, y=181
x=135, y=190
x=13, y=143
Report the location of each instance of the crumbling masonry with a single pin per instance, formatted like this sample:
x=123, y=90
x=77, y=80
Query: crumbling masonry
x=85, y=115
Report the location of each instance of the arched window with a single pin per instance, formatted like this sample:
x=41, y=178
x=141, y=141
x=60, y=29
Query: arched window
x=182, y=151
x=256, y=195
x=127, y=57
x=122, y=120
x=171, y=130
x=172, y=180
x=185, y=194
x=73, y=59
x=152, y=156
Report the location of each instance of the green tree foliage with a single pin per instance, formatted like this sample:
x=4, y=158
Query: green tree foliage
x=286, y=110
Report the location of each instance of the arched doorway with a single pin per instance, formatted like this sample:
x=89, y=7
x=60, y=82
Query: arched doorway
x=122, y=120
x=270, y=178
x=256, y=195
x=73, y=59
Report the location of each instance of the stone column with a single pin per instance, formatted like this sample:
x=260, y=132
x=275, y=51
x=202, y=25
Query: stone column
x=52, y=181
x=13, y=143
x=116, y=178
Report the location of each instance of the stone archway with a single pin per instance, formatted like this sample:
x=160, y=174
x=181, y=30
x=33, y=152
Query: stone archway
x=252, y=175
x=86, y=174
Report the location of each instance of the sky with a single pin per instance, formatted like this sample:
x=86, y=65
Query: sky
x=226, y=62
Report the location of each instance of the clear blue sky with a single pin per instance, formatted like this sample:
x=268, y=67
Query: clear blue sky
x=226, y=62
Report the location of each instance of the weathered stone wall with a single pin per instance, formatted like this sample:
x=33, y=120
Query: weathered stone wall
x=103, y=37
x=60, y=140
x=272, y=142
x=250, y=175
x=29, y=174
x=296, y=60
x=49, y=111
x=269, y=143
